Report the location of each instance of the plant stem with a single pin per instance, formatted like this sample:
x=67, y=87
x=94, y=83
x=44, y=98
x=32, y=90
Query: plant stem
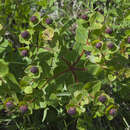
x=66, y=61
x=55, y=76
x=80, y=69
x=75, y=76
x=78, y=59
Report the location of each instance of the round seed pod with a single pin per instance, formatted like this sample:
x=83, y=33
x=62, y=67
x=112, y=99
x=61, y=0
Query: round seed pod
x=110, y=45
x=85, y=17
x=71, y=111
x=34, y=69
x=99, y=45
x=128, y=39
x=49, y=21
x=25, y=34
x=108, y=30
x=113, y=111
x=102, y=98
x=33, y=19
x=23, y=109
x=24, y=53
x=9, y=104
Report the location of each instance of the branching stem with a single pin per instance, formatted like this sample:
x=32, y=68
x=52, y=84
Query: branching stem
x=78, y=59
x=71, y=68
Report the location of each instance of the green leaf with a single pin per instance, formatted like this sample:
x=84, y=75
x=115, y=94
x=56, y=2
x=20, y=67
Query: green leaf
x=111, y=77
x=1, y=27
x=42, y=3
x=12, y=78
x=66, y=94
x=127, y=73
x=14, y=96
x=51, y=2
x=128, y=17
x=127, y=32
x=87, y=85
x=28, y=90
x=81, y=34
x=45, y=114
x=53, y=96
x=4, y=45
x=94, y=59
x=81, y=124
x=66, y=25
x=96, y=26
x=94, y=69
x=43, y=104
x=96, y=21
x=3, y=68
x=48, y=34
x=96, y=88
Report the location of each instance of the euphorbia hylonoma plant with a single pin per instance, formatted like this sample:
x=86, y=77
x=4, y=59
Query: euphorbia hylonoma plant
x=64, y=64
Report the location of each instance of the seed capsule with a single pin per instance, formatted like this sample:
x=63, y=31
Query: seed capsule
x=110, y=45
x=71, y=111
x=113, y=111
x=102, y=98
x=49, y=21
x=98, y=45
x=34, y=69
x=108, y=30
x=9, y=105
x=23, y=109
x=25, y=34
x=24, y=53
x=33, y=19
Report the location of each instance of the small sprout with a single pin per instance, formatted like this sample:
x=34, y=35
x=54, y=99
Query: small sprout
x=113, y=111
x=102, y=98
x=49, y=21
x=110, y=45
x=99, y=45
x=108, y=30
x=9, y=105
x=23, y=109
x=33, y=19
x=24, y=53
x=25, y=34
x=128, y=39
x=34, y=69
x=71, y=111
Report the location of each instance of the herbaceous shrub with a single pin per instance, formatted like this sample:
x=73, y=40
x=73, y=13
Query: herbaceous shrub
x=64, y=64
